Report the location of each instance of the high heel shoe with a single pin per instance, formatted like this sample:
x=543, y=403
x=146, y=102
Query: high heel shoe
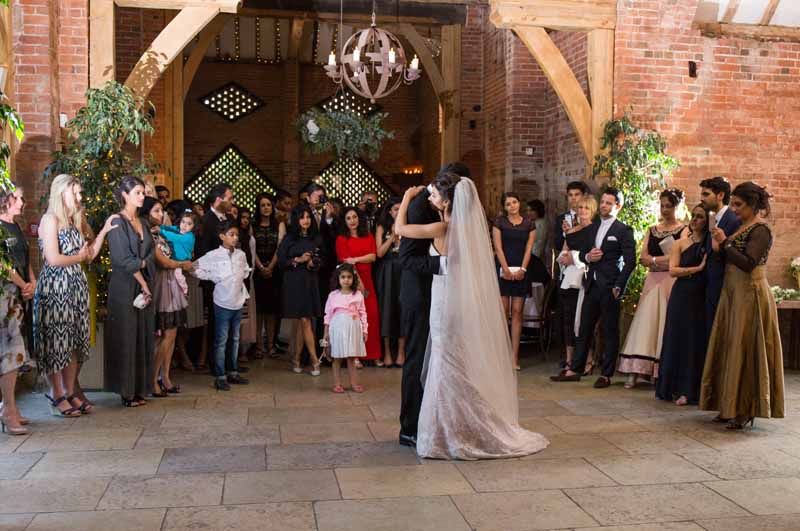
x=740, y=425
x=129, y=402
x=22, y=420
x=71, y=412
x=315, y=370
x=10, y=428
x=84, y=408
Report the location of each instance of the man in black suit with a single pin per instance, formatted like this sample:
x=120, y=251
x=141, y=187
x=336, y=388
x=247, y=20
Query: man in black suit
x=715, y=194
x=611, y=262
x=415, y=300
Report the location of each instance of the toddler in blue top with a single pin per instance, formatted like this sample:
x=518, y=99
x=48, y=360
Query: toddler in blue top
x=181, y=241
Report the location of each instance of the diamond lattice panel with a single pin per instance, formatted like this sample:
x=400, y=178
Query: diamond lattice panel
x=233, y=167
x=344, y=100
x=232, y=102
x=347, y=179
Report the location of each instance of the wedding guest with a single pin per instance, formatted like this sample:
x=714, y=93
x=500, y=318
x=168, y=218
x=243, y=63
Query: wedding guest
x=640, y=354
x=299, y=257
x=346, y=326
x=169, y=298
x=537, y=270
x=715, y=194
x=743, y=373
x=683, y=349
x=247, y=243
x=162, y=193
x=199, y=210
x=283, y=206
x=268, y=233
x=611, y=261
x=226, y=266
x=575, y=191
x=355, y=246
x=513, y=236
x=369, y=207
x=387, y=284
x=284, y=202
x=15, y=292
x=130, y=324
x=573, y=272
x=61, y=300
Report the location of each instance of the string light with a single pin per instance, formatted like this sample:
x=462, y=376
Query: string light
x=315, y=43
x=232, y=101
x=344, y=100
x=237, y=38
x=258, y=39
x=278, y=57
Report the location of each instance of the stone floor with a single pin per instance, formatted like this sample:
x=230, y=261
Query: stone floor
x=286, y=454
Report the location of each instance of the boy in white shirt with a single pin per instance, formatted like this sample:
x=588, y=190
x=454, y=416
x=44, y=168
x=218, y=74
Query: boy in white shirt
x=227, y=268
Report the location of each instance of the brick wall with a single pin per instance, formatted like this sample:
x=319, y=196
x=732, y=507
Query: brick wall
x=738, y=118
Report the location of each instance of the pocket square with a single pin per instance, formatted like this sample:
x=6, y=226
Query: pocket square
x=612, y=238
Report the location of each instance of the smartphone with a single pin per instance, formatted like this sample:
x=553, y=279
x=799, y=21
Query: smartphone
x=712, y=221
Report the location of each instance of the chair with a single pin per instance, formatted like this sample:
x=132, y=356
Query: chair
x=544, y=321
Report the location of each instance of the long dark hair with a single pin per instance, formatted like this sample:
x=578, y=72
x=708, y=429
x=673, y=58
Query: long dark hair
x=341, y=268
x=755, y=196
x=244, y=210
x=126, y=185
x=294, y=221
x=362, y=230
x=256, y=219
x=385, y=219
x=707, y=229
x=446, y=183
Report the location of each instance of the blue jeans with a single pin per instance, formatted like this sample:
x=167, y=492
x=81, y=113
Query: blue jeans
x=226, y=323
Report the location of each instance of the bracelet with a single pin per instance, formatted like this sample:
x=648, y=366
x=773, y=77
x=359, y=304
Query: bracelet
x=654, y=260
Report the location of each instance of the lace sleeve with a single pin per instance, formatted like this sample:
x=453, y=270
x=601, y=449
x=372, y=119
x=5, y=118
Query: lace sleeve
x=755, y=250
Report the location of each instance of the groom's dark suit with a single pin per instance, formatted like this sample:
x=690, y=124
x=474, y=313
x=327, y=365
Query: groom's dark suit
x=415, y=300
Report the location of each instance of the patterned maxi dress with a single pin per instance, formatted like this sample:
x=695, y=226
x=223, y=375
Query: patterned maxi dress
x=61, y=308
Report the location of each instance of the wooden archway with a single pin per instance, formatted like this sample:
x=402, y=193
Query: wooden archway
x=529, y=21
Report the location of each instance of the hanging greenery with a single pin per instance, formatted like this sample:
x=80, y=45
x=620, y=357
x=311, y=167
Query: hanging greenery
x=9, y=119
x=100, y=150
x=638, y=165
x=345, y=133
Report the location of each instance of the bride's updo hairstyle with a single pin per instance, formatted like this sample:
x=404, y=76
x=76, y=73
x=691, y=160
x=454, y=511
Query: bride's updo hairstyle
x=445, y=183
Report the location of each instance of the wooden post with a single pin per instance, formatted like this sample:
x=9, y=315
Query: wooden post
x=450, y=100
x=177, y=130
x=7, y=62
x=199, y=51
x=101, y=42
x=600, y=50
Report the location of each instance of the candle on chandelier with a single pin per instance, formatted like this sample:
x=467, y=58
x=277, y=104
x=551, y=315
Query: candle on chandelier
x=357, y=55
x=392, y=56
x=415, y=63
x=332, y=59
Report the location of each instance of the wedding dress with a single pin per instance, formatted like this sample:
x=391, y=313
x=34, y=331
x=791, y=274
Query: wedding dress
x=469, y=407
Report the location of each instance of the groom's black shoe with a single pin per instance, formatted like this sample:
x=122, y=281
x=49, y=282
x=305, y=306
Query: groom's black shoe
x=563, y=377
x=408, y=440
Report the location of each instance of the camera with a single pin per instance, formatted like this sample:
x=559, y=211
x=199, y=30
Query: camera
x=316, y=259
x=370, y=207
x=323, y=200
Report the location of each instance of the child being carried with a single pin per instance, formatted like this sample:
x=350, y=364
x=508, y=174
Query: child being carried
x=181, y=241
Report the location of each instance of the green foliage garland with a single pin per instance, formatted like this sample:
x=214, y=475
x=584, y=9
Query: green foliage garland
x=348, y=134
x=638, y=165
x=100, y=151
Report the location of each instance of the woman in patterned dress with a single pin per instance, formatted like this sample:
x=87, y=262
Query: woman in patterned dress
x=19, y=286
x=61, y=301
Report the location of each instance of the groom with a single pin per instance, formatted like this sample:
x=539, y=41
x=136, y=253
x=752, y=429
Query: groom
x=415, y=300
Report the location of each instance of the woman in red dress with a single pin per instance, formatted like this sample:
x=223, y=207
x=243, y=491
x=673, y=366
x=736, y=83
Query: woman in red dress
x=356, y=246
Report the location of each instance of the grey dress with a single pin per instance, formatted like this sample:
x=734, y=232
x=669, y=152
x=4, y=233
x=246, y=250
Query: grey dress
x=129, y=332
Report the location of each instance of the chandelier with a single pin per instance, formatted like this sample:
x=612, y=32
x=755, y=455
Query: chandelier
x=373, y=62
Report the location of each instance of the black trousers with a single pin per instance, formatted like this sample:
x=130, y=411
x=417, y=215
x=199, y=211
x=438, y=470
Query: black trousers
x=416, y=328
x=569, y=307
x=598, y=303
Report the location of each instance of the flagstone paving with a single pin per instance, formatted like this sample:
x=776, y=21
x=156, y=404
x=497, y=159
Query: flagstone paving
x=286, y=454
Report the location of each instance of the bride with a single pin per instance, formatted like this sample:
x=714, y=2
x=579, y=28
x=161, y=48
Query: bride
x=469, y=406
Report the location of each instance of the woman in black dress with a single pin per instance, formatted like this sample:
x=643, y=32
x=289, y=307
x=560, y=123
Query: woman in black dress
x=269, y=234
x=299, y=256
x=130, y=331
x=513, y=237
x=683, y=347
x=387, y=283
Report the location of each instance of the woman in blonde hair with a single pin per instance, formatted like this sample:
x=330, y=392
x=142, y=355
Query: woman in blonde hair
x=61, y=301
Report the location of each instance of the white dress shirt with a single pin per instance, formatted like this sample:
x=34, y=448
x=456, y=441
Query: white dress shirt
x=605, y=224
x=227, y=270
x=718, y=215
x=220, y=216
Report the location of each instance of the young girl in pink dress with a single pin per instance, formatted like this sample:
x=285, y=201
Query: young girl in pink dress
x=345, y=326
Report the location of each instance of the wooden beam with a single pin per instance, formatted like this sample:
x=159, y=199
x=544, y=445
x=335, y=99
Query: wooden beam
x=295, y=37
x=563, y=81
x=600, y=67
x=563, y=15
x=730, y=12
x=434, y=12
x=769, y=12
x=749, y=31
x=205, y=38
x=176, y=99
x=429, y=66
x=450, y=100
x=224, y=6
x=7, y=61
x=102, y=65
x=168, y=45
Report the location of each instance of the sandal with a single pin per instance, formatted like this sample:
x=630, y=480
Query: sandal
x=129, y=402
x=140, y=400
x=682, y=401
x=84, y=408
x=338, y=389
x=357, y=388
x=71, y=412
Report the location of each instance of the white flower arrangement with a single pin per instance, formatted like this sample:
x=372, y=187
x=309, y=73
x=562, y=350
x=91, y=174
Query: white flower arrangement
x=313, y=129
x=794, y=265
